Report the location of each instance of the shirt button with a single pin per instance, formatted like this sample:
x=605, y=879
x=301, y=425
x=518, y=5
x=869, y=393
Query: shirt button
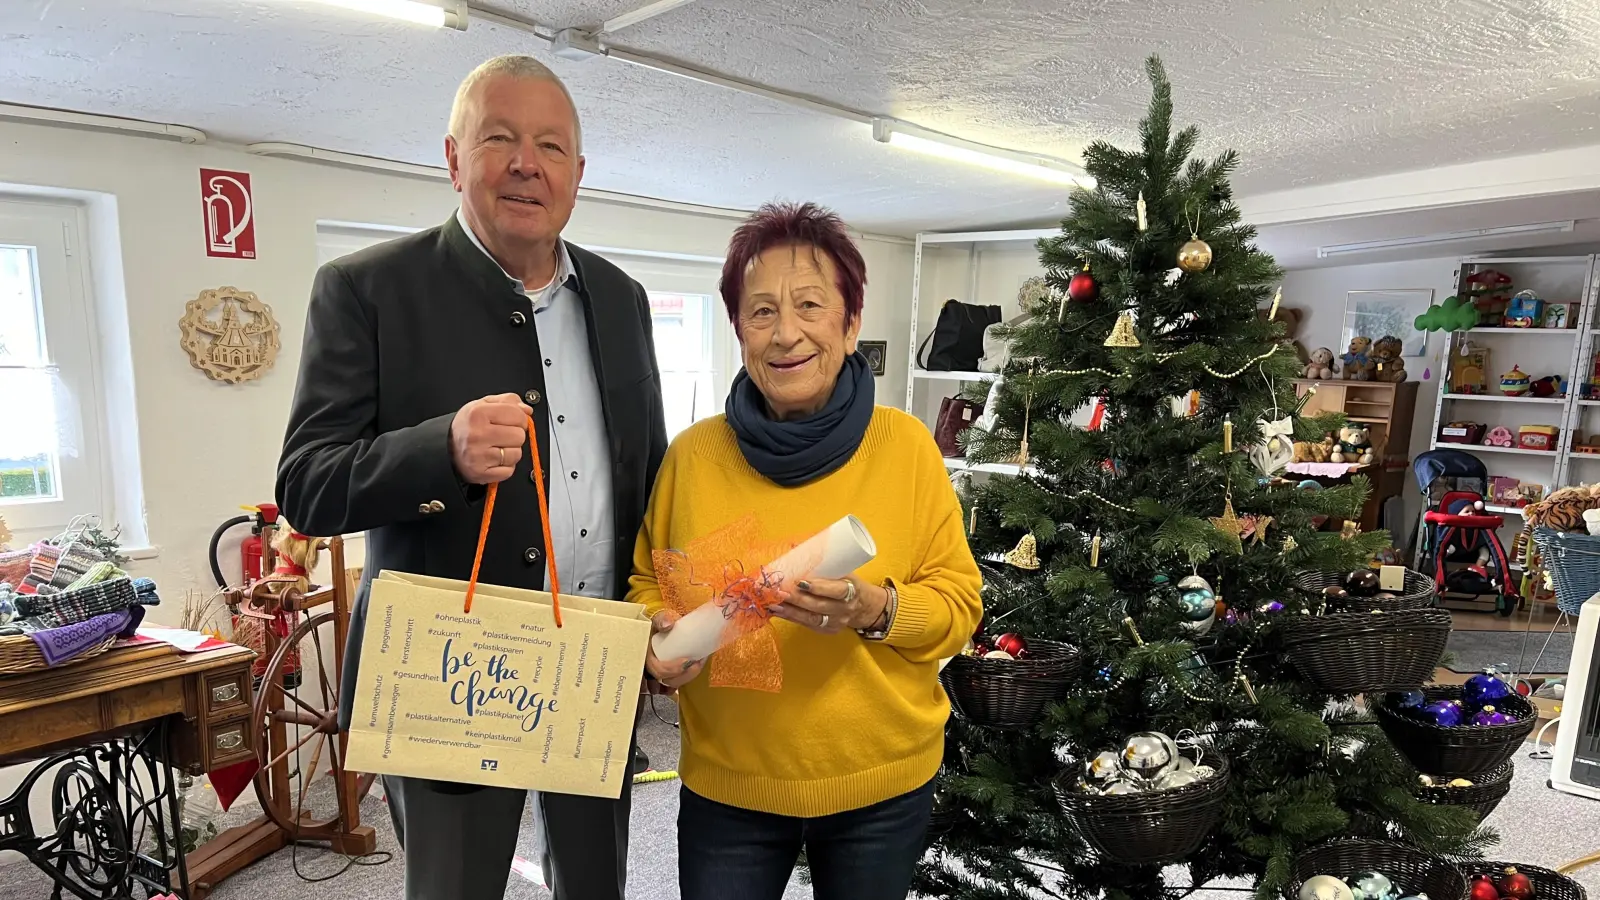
x=581, y=584
x=532, y=397
x=574, y=476
x=531, y=556
x=561, y=419
x=547, y=364
x=583, y=532
x=517, y=318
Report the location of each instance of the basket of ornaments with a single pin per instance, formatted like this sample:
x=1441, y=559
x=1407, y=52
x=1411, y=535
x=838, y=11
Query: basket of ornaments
x=1517, y=881
x=1147, y=803
x=1365, y=869
x=1480, y=793
x=1337, y=590
x=1461, y=730
x=1362, y=639
x=1007, y=681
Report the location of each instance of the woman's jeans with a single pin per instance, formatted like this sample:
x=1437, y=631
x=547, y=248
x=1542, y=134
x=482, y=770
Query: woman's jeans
x=728, y=853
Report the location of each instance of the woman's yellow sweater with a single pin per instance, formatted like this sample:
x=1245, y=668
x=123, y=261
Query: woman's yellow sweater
x=856, y=721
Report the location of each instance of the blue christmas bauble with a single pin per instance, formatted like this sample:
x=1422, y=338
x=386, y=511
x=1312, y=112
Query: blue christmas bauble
x=1198, y=605
x=1444, y=713
x=1410, y=700
x=1483, y=689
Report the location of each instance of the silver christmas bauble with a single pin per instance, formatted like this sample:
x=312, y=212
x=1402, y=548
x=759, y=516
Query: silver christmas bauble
x=1324, y=887
x=1103, y=769
x=1203, y=772
x=1176, y=778
x=1372, y=886
x=1149, y=754
x=1119, y=787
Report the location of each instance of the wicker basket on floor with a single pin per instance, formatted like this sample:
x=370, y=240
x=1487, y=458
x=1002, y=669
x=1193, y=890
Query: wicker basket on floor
x=1413, y=871
x=1149, y=828
x=1547, y=884
x=1419, y=591
x=1011, y=693
x=1365, y=652
x=1463, y=750
x=1573, y=561
x=19, y=654
x=1485, y=794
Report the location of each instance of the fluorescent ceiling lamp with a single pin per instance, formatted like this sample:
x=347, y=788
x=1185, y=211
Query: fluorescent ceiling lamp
x=1446, y=238
x=452, y=14
x=898, y=134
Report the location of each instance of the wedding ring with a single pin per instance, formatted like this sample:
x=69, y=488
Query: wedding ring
x=502, y=455
x=849, y=592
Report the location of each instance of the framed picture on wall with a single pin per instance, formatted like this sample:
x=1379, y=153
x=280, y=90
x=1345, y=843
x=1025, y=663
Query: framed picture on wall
x=1377, y=314
x=877, y=354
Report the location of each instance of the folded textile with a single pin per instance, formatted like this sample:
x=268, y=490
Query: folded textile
x=14, y=566
x=79, y=604
x=100, y=571
x=144, y=591
x=57, y=645
x=41, y=567
x=76, y=560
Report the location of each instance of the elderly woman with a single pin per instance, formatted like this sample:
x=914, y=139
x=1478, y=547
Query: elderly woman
x=840, y=759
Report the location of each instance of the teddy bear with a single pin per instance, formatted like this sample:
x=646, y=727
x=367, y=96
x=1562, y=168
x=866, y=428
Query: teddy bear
x=1313, y=451
x=1387, y=365
x=1355, y=445
x=1357, y=362
x=1321, y=365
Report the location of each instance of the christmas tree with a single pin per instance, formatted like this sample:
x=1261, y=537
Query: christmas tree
x=1161, y=542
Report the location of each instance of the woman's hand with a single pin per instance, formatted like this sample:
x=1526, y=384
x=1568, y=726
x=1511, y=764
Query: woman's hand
x=671, y=673
x=832, y=605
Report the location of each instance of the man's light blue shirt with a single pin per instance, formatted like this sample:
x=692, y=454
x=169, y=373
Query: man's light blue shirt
x=581, y=509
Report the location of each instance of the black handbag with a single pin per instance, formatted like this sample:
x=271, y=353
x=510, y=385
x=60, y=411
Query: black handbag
x=957, y=337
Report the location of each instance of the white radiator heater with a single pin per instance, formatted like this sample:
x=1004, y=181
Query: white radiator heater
x=1576, y=766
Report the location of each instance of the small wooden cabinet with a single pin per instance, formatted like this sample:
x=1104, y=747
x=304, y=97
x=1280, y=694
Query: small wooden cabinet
x=1385, y=407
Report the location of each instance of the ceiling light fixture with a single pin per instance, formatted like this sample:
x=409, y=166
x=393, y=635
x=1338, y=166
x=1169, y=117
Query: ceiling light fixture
x=451, y=14
x=910, y=137
x=1446, y=238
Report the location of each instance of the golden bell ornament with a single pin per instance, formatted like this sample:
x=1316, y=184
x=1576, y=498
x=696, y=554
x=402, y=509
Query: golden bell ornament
x=1122, y=333
x=1025, y=555
x=1195, y=255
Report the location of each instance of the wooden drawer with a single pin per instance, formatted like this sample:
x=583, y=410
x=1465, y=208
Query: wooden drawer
x=225, y=743
x=226, y=694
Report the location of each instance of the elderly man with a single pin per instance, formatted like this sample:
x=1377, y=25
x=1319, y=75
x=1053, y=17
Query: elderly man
x=422, y=357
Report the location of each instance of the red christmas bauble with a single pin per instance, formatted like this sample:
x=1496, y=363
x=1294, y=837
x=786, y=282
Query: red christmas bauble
x=1013, y=644
x=1516, y=885
x=1083, y=288
x=1484, y=888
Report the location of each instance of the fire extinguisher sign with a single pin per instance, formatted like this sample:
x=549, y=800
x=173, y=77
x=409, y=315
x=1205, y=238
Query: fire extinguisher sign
x=228, y=213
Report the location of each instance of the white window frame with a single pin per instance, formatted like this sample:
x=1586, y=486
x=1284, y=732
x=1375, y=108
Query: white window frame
x=56, y=231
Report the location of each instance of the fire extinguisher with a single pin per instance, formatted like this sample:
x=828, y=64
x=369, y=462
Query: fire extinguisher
x=263, y=519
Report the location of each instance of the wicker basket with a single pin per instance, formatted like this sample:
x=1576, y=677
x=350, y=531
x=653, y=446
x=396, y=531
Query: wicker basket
x=1547, y=885
x=1419, y=591
x=1573, y=561
x=1485, y=794
x=1144, y=829
x=1011, y=693
x=1463, y=750
x=1364, y=652
x=1412, y=871
x=19, y=654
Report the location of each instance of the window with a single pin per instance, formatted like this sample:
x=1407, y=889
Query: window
x=51, y=467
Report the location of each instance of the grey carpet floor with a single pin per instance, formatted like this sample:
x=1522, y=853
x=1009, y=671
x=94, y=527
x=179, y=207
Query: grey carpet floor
x=1537, y=826
x=1536, y=652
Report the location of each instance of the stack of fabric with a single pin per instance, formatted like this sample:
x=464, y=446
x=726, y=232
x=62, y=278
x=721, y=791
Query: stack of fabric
x=71, y=600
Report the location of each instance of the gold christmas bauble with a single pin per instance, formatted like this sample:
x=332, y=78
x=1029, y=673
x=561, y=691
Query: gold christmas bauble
x=1194, y=256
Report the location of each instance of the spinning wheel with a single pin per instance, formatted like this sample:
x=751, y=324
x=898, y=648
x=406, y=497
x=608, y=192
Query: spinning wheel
x=305, y=792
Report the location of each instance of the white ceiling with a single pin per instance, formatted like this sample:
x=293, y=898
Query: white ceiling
x=1309, y=91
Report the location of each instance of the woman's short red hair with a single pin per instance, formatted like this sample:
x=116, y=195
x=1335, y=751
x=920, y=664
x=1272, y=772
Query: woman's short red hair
x=795, y=224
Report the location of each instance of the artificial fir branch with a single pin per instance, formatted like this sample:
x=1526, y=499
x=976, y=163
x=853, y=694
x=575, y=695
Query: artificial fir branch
x=1303, y=767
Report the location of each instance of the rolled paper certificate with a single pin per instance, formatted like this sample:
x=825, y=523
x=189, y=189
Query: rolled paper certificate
x=832, y=553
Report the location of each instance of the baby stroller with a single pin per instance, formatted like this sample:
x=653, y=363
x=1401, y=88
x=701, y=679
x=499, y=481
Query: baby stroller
x=1458, y=529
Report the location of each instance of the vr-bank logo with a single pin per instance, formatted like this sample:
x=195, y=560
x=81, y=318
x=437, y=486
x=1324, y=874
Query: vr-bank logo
x=490, y=765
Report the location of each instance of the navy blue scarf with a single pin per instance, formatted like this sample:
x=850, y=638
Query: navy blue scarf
x=796, y=451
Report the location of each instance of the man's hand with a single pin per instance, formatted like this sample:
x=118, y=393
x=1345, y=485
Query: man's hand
x=486, y=438
x=671, y=673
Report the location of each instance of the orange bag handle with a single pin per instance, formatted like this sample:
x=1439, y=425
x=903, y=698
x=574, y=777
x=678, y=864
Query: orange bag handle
x=544, y=520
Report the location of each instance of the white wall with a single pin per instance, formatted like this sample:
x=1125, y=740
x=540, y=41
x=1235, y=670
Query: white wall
x=207, y=447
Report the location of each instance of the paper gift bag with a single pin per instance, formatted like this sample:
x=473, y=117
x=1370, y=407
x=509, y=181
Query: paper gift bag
x=483, y=684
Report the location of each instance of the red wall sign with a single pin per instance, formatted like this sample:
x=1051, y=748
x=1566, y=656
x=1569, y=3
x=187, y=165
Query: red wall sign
x=228, y=214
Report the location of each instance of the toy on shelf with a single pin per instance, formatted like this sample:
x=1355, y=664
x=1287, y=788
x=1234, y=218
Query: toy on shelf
x=1548, y=386
x=1452, y=315
x=1588, y=445
x=1530, y=493
x=1560, y=315
x=1514, y=383
x=1500, y=436
x=1321, y=365
x=1461, y=433
x=1469, y=371
x=1490, y=292
x=1525, y=310
x=1537, y=437
x=1355, y=445
x=1387, y=365
x=1357, y=365
x=1306, y=451
x=1505, y=491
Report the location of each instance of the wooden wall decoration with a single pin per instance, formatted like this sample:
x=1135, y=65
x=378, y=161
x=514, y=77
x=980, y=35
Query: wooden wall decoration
x=229, y=334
